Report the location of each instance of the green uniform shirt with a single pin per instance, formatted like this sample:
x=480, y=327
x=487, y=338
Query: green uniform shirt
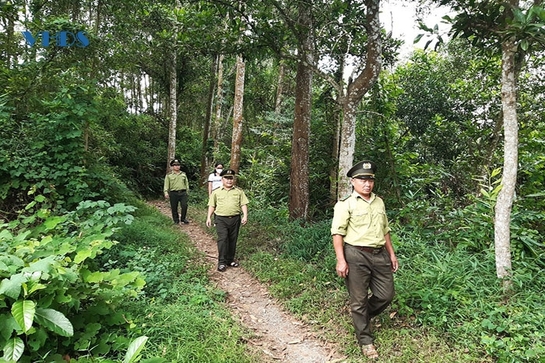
x=175, y=181
x=227, y=202
x=362, y=223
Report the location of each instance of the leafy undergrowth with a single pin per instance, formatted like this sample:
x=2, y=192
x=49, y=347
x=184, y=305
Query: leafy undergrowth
x=449, y=306
x=55, y=300
x=313, y=292
x=183, y=316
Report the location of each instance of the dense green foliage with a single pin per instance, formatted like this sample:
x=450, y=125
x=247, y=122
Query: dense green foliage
x=449, y=287
x=83, y=133
x=52, y=291
x=178, y=309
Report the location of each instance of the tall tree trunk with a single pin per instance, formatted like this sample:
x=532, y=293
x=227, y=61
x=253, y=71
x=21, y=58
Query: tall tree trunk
x=504, y=204
x=299, y=169
x=173, y=110
x=238, y=107
x=279, y=87
x=208, y=119
x=355, y=92
x=139, y=86
x=219, y=104
x=278, y=99
x=337, y=118
x=98, y=17
x=173, y=99
x=333, y=176
x=10, y=33
x=86, y=126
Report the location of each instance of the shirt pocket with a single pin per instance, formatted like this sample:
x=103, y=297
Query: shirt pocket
x=379, y=218
x=361, y=219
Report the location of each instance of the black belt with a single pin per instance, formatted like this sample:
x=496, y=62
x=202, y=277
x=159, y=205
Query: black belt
x=236, y=215
x=372, y=250
x=178, y=191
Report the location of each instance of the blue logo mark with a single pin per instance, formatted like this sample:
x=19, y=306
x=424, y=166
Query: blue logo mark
x=61, y=39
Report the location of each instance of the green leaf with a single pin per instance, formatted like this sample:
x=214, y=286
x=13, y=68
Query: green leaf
x=5, y=235
x=7, y=326
x=14, y=349
x=82, y=255
x=23, y=312
x=127, y=278
x=94, y=277
x=30, y=205
x=534, y=195
x=34, y=286
x=52, y=222
x=12, y=287
x=42, y=265
x=55, y=321
x=424, y=27
x=495, y=172
x=133, y=352
x=427, y=44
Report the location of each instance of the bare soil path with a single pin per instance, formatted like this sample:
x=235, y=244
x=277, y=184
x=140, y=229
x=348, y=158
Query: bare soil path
x=277, y=334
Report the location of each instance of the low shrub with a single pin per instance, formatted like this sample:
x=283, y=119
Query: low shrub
x=53, y=296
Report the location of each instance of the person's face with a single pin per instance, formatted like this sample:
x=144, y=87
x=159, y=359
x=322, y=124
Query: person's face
x=363, y=186
x=176, y=166
x=219, y=168
x=228, y=181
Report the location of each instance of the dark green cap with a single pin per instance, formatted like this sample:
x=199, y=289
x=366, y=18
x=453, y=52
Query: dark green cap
x=363, y=170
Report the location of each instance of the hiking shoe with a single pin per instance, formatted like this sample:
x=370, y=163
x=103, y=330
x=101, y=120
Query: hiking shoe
x=369, y=351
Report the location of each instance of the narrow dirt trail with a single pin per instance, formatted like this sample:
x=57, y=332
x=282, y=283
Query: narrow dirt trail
x=277, y=334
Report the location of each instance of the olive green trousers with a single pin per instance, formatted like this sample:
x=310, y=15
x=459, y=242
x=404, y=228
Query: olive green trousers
x=368, y=271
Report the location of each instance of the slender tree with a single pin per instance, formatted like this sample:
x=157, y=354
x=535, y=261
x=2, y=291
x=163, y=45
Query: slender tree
x=512, y=30
x=173, y=105
x=355, y=91
x=238, y=107
x=219, y=103
x=504, y=204
x=279, y=87
x=208, y=118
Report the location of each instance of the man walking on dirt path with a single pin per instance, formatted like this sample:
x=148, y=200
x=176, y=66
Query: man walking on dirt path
x=364, y=251
x=176, y=188
x=227, y=203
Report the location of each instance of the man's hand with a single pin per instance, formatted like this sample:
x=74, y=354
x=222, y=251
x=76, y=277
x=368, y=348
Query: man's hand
x=342, y=269
x=395, y=264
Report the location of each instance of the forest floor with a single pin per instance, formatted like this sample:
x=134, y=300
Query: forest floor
x=277, y=335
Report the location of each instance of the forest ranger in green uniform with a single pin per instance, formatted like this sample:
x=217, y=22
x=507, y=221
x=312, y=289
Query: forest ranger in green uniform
x=227, y=203
x=176, y=188
x=364, y=251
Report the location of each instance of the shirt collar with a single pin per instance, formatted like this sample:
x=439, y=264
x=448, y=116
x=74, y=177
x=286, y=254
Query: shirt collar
x=357, y=195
